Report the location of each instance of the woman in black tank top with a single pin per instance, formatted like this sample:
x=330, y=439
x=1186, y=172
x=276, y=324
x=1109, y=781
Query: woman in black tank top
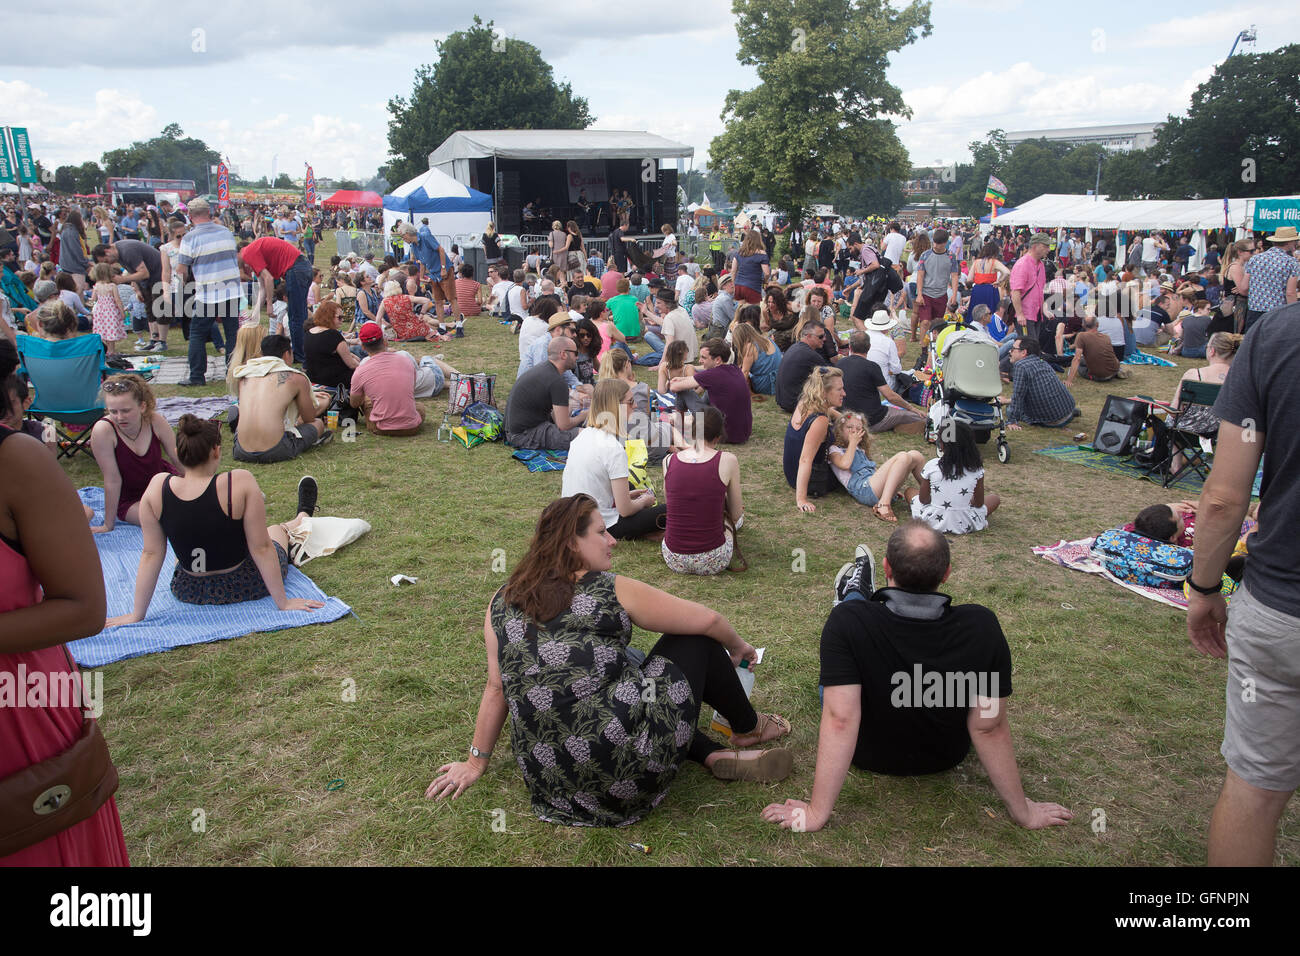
x=215, y=524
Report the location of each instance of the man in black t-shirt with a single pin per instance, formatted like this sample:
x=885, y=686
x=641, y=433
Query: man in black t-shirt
x=864, y=387
x=910, y=681
x=537, y=411
x=797, y=364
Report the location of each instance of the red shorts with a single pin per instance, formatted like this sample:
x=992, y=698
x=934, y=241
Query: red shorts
x=931, y=308
x=745, y=294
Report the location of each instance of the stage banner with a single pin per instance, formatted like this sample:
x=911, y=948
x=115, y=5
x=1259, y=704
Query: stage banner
x=223, y=186
x=588, y=174
x=310, y=187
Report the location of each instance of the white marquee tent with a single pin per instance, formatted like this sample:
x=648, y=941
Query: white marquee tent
x=453, y=156
x=1060, y=211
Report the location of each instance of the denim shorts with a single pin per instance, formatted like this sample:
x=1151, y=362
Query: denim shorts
x=860, y=488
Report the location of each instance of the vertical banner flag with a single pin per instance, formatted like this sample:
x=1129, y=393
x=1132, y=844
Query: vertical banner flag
x=223, y=186
x=996, y=192
x=310, y=186
x=24, y=165
x=1225, y=212
x=6, y=165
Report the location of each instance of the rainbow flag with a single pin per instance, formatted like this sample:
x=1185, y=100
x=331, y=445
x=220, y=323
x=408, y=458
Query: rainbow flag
x=310, y=187
x=223, y=186
x=996, y=192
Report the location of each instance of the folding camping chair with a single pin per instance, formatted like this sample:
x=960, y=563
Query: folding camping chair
x=1188, y=425
x=65, y=376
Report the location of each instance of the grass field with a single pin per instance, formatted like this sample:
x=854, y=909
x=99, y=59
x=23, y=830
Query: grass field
x=1112, y=711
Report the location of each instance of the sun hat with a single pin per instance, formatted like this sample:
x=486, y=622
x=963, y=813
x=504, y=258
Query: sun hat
x=1284, y=234
x=1040, y=237
x=559, y=319
x=881, y=321
x=370, y=332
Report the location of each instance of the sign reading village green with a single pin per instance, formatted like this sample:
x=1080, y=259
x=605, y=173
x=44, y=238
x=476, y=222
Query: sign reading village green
x=22, y=160
x=6, y=167
x=1272, y=214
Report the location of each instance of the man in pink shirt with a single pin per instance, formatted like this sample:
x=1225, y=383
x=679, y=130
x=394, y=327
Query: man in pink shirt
x=384, y=387
x=1028, y=279
x=609, y=284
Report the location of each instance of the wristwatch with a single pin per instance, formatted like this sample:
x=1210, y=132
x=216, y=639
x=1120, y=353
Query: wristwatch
x=475, y=752
x=1218, y=586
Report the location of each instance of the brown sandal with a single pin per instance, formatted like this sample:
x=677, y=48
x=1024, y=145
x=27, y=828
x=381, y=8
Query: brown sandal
x=886, y=515
x=764, y=721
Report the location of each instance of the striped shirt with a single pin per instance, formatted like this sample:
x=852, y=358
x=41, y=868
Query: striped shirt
x=208, y=249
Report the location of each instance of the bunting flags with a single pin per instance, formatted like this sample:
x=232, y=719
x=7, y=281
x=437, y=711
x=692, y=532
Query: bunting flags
x=996, y=192
x=223, y=186
x=310, y=186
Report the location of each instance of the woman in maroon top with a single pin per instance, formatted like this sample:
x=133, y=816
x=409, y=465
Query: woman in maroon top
x=702, y=490
x=129, y=445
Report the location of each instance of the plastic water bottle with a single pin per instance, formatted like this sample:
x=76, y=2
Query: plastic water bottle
x=746, y=678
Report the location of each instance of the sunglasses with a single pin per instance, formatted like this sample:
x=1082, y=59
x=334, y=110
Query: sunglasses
x=116, y=388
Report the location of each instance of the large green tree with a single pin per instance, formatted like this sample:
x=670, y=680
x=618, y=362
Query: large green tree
x=169, y=155
x=480, y=81
x=814, y=122
x=86, y=178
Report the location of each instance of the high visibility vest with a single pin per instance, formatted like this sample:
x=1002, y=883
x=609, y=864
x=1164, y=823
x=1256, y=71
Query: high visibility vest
x=715, y=241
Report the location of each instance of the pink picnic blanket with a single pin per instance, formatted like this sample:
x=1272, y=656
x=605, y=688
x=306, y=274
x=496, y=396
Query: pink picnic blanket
x=1076, y=556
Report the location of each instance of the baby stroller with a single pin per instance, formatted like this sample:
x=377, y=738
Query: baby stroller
x=966, y=385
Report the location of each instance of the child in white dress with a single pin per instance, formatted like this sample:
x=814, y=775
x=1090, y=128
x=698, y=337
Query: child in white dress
x=952, y=498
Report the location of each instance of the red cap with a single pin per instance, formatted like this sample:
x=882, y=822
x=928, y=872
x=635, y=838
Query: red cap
x=370, y=332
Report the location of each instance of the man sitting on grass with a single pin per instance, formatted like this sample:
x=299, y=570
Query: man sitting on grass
x=537, y=411
x=279, y=414
x=385, y=384
x=910, y=682
x=1038, y=397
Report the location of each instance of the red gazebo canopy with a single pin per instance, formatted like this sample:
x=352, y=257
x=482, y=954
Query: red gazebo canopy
x=353, y=197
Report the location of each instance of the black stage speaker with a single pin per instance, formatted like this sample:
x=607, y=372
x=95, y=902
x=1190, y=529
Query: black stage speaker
x=665, y=200
x=1117, y=429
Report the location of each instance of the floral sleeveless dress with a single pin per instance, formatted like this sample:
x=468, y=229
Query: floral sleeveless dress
x=598, y=737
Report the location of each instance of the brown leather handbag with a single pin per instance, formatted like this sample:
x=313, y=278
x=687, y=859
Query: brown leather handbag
x=55, y=794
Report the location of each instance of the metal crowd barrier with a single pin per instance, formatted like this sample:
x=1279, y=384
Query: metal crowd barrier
x=361, y=243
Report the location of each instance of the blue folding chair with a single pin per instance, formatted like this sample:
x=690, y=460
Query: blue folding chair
x=65, y=377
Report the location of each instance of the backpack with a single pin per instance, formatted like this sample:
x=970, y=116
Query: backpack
x=1136, y=559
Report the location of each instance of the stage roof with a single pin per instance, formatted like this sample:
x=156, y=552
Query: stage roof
x=556, y=144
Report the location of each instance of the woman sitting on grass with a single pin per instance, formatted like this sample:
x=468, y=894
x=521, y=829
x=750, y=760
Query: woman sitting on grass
x=701, y=492
x=952, y=498
x=808, y=436
x=597, y=466
x=129, y=444
x=757, y=357
x=225, y=553
x=850, y=459
x=599, y=732
x=397, y=314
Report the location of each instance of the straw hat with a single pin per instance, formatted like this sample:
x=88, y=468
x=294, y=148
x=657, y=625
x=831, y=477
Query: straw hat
x=1284, y=234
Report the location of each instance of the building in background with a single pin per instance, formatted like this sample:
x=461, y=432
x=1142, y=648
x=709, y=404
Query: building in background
x=1118, y=139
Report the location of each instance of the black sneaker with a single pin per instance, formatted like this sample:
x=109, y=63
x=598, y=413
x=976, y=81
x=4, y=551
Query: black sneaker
x=858, y=575
x=307, y=494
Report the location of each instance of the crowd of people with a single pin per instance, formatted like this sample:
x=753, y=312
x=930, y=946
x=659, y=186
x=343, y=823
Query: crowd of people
x=598, y=728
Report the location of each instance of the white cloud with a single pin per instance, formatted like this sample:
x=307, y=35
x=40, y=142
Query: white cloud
x=1218, y=28
x=63, y=134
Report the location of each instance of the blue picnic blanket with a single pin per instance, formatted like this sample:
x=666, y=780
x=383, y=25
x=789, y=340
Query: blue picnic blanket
x=169, y=622
x=550, y=460
x=1138, y=357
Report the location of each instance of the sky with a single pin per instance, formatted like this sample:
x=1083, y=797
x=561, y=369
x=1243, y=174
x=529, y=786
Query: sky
x=274, y=85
